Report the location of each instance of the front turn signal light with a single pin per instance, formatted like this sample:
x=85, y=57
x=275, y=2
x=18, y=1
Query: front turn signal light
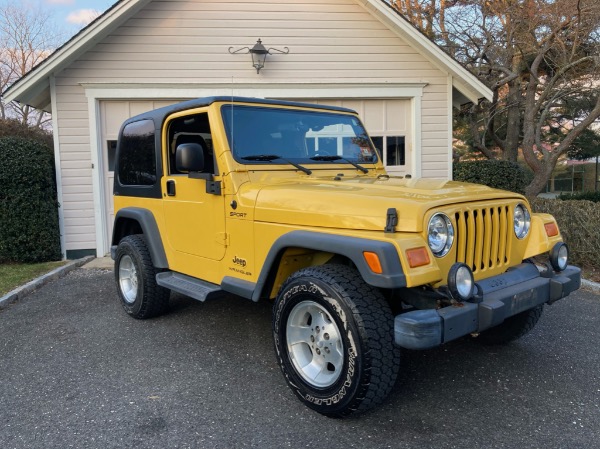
x=551, y=229
x=417, y=257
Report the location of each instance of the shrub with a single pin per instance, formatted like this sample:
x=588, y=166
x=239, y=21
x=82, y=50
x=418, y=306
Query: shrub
x=589, y=196
x=29, y=229
x=495, y=173
x=14, y=128
x=577, y=221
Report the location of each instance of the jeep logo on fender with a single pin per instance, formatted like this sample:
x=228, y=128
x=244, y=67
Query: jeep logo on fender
x=238, y=261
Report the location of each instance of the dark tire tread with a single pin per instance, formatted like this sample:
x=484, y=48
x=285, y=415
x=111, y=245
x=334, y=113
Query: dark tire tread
x=154, y=298
x=375, y=322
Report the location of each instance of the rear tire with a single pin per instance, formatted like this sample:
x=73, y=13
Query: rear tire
x=140, y=295
x=334, y=340
x=512, y=328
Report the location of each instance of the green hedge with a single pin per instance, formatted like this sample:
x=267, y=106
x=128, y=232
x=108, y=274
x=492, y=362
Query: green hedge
x=29, y=229
x=589, y=196
x=495, y=173
x=578, y=222
x=14, y=128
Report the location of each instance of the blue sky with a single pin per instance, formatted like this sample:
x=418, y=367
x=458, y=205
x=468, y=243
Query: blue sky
x=72, y=15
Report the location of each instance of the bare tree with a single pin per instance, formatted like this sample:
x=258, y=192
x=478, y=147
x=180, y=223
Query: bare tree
x=540, y=57
x=27, y=37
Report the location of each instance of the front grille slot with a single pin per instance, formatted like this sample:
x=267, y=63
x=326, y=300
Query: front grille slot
x=482, y=237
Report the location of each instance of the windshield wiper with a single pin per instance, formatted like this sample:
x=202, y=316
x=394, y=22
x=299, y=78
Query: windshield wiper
x=340, y=158
x=274, y=157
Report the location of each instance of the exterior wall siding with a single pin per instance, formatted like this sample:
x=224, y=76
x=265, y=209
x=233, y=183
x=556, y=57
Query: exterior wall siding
x=186, y=42
x=76, y=168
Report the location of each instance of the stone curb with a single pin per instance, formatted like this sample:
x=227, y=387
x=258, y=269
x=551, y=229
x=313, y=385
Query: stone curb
x=57, y=273
x=593, y=287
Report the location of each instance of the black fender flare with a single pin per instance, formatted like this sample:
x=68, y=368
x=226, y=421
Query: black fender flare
x=350, y=247
x=147, y=223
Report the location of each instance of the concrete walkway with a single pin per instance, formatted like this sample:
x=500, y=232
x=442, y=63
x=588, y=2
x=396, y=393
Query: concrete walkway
x=105, y=263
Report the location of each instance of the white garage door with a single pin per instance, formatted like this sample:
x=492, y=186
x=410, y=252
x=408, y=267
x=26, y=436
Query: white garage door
x=389, y=124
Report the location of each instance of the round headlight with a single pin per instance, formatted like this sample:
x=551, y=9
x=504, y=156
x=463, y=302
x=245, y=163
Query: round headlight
x=522, y=221
x=559, y=257
x=460, y=282
x=440, y=235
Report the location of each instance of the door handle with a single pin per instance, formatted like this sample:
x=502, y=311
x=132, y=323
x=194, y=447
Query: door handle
x=171, y=187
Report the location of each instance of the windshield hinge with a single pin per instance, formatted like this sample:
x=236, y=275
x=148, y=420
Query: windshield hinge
x=213, y=187
x=391, y=220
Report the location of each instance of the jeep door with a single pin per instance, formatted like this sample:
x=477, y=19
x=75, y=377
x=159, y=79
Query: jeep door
x=194, y=216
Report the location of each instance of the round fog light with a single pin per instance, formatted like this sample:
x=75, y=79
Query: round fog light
x=461, y=282
x=559, y=256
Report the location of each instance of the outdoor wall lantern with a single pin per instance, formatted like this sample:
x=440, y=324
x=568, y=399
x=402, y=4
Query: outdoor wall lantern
x=259, y=54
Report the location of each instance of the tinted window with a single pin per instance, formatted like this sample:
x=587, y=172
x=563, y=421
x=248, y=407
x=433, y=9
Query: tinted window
x=191, y=129
x=111, y=148
x=394, y=149
x=137, y=160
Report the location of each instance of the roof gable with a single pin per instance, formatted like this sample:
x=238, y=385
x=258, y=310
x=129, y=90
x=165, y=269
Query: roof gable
x=33, y=88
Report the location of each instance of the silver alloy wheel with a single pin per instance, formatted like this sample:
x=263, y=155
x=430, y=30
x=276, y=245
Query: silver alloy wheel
x=128, y=279
x=314, y=344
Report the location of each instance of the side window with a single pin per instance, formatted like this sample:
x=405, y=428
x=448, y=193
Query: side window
x=111, y=148
x=137, y=159
x=393, y=148
x=191, y=129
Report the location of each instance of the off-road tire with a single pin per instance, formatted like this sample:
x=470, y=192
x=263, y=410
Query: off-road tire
x=145, y=298
x=512, y=328
x=368, y=362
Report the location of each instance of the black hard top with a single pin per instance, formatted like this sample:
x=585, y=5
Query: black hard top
x=159, y=115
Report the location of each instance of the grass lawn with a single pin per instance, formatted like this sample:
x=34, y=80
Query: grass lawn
x=14, y=275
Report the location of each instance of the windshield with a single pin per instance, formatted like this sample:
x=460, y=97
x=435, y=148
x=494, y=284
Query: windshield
x=259, y=135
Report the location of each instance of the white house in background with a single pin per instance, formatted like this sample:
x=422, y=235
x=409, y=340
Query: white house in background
x=142, y=54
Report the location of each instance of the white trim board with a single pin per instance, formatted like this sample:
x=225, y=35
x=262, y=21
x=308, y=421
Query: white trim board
x=273, y=91
x=57, y=167
x=102, y=243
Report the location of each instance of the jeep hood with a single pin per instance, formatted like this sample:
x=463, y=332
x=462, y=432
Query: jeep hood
x=362, y=203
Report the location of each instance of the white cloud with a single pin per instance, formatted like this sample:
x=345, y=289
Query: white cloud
x=60, y=2
x=83, y=16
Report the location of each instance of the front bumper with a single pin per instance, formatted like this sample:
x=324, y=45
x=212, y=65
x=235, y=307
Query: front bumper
x=499, y=297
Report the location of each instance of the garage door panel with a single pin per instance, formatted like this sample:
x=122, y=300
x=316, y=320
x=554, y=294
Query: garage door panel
x=113, y=114
x=397, y=116
x=374, y=116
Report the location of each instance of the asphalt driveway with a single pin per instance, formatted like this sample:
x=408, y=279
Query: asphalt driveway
x=76, y=372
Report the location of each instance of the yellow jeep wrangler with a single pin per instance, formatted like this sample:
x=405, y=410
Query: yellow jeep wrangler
x=290, y=202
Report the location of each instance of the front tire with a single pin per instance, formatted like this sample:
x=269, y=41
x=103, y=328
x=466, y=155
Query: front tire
x=140, y=295
x=334, y=340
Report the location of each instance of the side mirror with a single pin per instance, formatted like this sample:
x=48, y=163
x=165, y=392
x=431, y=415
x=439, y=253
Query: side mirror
x=189, y=157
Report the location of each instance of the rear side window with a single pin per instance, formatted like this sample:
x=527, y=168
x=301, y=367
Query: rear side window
x=137, y=159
